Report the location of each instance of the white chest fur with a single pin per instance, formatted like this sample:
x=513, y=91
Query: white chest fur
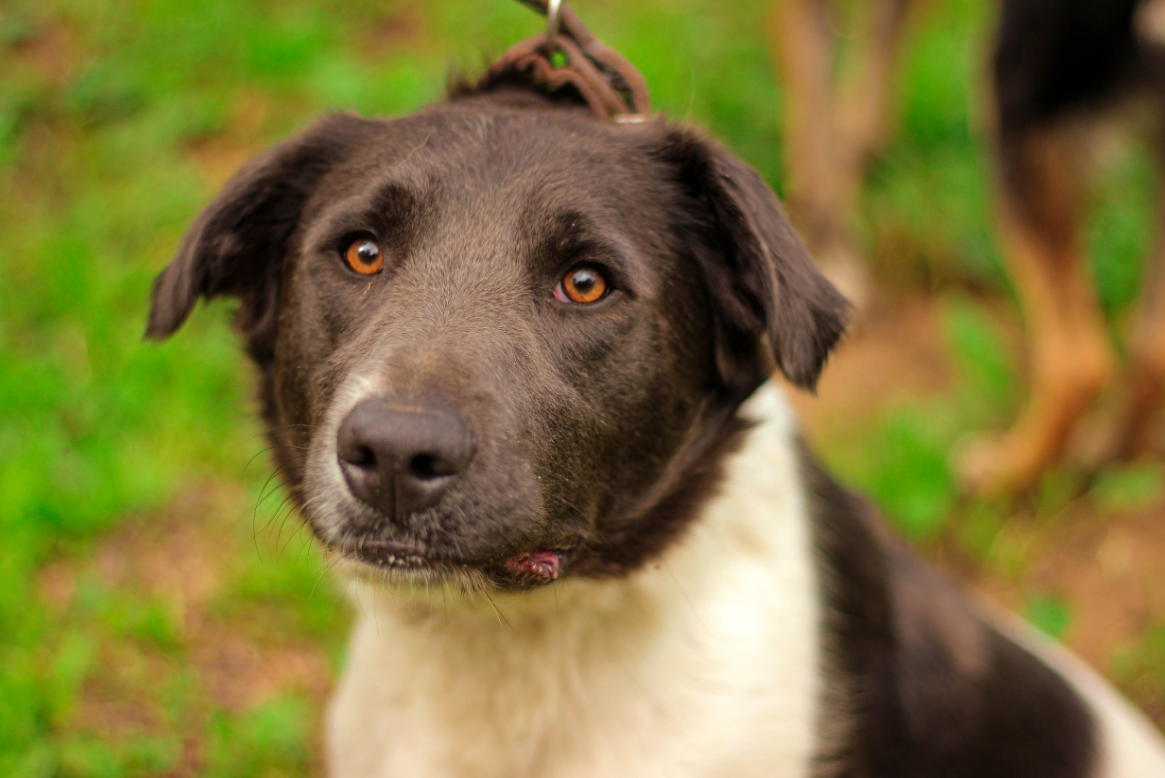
x=703, y=665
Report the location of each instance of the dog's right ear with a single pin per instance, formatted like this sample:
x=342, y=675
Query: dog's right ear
x=236, y=245
x=771, y=305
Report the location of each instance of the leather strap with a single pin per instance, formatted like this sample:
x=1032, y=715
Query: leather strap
x=609, y=84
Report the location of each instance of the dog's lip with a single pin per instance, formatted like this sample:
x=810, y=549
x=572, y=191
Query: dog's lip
x=540, y=564
x=394, y=553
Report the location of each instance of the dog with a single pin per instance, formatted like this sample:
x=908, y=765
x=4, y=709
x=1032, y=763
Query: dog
x=1060, y=72
x=516, y=362
x=838, y=118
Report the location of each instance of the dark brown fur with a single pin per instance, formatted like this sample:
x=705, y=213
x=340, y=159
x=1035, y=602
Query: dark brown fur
x=933, y=689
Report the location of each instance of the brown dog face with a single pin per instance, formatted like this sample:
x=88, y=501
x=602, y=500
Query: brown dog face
x=503, y=341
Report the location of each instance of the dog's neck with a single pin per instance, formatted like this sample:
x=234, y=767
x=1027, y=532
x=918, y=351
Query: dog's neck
x=581, y=678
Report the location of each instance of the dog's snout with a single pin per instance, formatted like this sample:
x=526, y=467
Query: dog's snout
x=401, y=458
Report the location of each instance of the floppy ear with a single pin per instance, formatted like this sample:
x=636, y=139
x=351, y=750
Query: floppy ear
x=236, y=245
x=772, y=306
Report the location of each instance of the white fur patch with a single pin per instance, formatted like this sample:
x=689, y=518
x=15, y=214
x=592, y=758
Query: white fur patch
x=704, y=664
x=333, y=500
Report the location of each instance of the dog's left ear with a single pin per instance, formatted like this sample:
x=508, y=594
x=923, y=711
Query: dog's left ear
x=772, y=305
x=236, y=245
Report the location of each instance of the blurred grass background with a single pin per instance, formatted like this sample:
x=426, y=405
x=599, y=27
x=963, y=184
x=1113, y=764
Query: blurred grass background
x=159, y=611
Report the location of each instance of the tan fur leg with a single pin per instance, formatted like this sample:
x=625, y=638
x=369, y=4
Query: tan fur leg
x=830, y=141
x=802, y=40
x=864, y=119
x=1071, y=358
x=865, y=109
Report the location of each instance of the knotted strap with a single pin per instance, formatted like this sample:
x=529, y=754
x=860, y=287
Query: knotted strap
x=609, y=84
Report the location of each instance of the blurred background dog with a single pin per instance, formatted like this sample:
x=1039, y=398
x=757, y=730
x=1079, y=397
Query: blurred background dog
x=1061, y=73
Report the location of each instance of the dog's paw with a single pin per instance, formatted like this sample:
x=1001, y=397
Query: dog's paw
x=991, y=464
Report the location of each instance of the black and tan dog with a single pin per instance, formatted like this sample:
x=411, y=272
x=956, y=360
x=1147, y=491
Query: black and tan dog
x=525, y=352
x=1061, y=69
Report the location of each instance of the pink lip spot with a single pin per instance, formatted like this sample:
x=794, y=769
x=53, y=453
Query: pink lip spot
x=542, y=563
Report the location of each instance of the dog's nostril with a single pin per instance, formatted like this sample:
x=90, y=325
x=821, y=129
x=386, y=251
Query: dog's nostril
x=363, y=457
x=423, y=466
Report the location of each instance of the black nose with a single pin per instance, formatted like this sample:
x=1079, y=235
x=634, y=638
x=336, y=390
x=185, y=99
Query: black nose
x=401, y=458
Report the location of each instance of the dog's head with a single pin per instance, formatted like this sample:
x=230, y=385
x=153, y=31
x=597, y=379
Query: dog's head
x=502, y=340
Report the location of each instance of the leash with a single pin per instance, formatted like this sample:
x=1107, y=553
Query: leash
x=567, y=54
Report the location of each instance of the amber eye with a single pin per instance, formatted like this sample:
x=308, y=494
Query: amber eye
x=363, y=255
x=583, y=285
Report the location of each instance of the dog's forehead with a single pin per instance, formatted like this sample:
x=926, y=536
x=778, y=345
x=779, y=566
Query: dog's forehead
x=504, y=160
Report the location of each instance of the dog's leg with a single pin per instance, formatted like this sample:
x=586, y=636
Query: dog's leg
x=864, y=115
x=865, y=109
x=833, y=131
x=802, y=33
x=1070, y=355
x=802, y=39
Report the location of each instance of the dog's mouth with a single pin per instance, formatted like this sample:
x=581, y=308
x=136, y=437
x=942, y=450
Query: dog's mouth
x=527, y=568
x=389, y=554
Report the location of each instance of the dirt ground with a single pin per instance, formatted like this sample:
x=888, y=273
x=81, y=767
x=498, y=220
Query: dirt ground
x=229, y=662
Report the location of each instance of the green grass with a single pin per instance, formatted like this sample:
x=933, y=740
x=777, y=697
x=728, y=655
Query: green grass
x=1142, y=667
x=903, y=459
x=105, y=109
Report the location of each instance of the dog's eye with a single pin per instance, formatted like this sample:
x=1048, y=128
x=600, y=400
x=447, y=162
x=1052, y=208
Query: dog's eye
x=363, y=255
x=583, y=285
